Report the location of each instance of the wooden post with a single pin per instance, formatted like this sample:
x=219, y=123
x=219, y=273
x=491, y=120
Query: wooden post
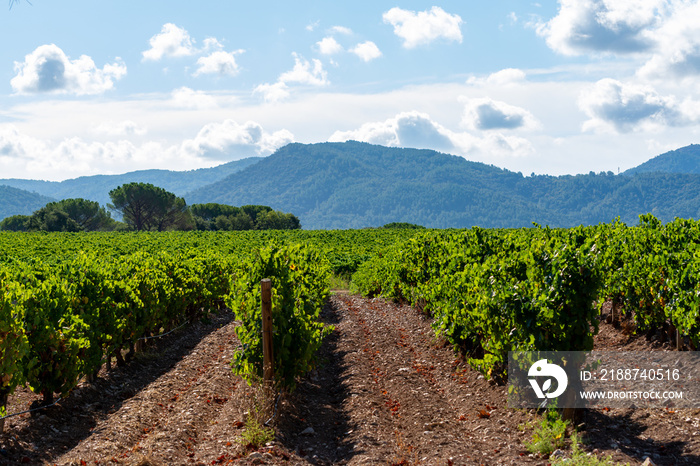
x=268, y=364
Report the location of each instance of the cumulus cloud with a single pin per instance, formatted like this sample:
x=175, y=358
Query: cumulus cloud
x=506, y=76
x=329, y=46
x=678, y=49
x=487, y=114
x=75, y=156
x=48, y=70
x=303, y=73
x=274, y=92
x=424, y=27
x=172, y=41
x=230, y=140
x=623, y=107
x=367, y=51
x=416, y=129
x=184, y=97
x=219, y=62
x=618, y=26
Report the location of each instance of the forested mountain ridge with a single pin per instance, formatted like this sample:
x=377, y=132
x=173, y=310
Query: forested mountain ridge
x=683, y=160
x=354, y=185
x=97, y=187
x=15, y=201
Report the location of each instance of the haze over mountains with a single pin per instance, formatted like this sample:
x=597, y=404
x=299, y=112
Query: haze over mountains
x=355, y=185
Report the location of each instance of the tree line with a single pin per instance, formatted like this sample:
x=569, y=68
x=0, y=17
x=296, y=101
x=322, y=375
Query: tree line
x=145, y=207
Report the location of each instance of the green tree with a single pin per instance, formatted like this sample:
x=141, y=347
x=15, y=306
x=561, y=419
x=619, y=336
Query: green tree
x=71, y=215
x=275, y=220
x=147, y=207
x=15, y=223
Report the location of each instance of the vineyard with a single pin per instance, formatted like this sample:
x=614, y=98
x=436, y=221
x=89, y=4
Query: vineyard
x=71, y=303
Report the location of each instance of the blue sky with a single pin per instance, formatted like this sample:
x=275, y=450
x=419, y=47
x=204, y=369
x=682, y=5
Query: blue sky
x=554, y=87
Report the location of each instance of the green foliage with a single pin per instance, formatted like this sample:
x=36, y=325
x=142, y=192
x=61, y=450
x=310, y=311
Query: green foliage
x=13, y=341
x=147, y=207
x=494, y=291
x=222, y=217
x=69, y=299
x=549, y=435
x=70, y=215
x=403, y=225
x=15, y=223
x=580, y=458
x=255, y=434
x=299, y=289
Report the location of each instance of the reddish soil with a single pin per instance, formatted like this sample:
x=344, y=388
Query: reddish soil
x=386, y=392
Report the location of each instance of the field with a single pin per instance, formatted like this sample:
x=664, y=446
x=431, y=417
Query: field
x=411, y=373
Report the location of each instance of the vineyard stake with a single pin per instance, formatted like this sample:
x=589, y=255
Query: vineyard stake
x=268, y=365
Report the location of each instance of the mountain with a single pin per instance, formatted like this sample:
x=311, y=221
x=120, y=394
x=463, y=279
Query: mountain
x=15, y=201
x=97, y=187
x=683, y=160
x=354, y=185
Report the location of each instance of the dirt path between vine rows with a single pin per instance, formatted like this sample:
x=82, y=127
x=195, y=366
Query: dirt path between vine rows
x=386, y=392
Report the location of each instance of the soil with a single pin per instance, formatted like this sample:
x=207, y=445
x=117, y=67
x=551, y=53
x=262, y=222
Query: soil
x=386, y=391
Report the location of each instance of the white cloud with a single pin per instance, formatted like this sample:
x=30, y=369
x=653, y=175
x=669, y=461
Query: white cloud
x=341, y=30
x=74, y=156
x=212, y=43
x=304, y=73
x=424, y=27
x=21, y=154
x=623, y=107
x=618, y=26
x=311, y=26
x=48, y=70
x=329, y=46
x=506, y=76
x=187, y=98
x=14, y=143
x=122, y=128
x=172, y=41
x=488, y=114
x=678, y=50
x=219, y=62
x=367, y=51
x=417, y=129
x=273, y=93
x=230, y=140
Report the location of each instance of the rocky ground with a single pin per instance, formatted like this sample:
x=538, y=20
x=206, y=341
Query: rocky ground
x=386, y=391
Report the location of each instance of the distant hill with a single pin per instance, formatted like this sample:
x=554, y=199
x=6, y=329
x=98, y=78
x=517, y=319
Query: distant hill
x=15, y=201
x=97, y=187
x=683, y=160
x=354, y=185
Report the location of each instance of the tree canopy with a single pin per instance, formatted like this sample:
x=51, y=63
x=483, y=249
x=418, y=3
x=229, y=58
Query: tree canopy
x=146, y=207
x=66, y=215
x=248, y=217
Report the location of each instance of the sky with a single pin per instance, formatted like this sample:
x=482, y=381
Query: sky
x=549, y=87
